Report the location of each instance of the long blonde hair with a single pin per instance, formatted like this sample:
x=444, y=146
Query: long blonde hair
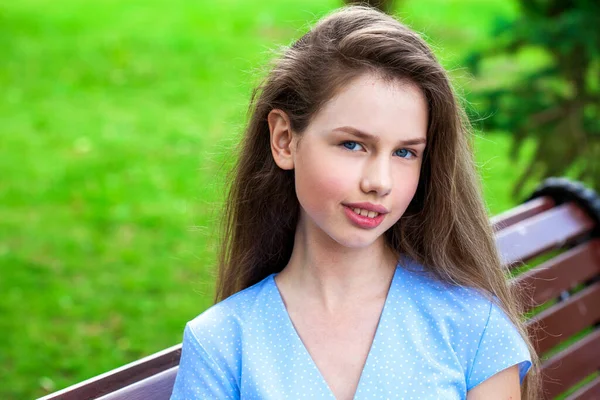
x=445, y=228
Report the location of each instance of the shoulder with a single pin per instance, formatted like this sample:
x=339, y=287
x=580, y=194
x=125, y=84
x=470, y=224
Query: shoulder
x=456, y=315
x=219, y=329
x=470, y=310
x=442, y=299
x=471, y=322
x=212, y=342
x=234, y=310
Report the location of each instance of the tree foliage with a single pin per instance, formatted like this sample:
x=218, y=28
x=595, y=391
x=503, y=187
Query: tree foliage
x=555, y=104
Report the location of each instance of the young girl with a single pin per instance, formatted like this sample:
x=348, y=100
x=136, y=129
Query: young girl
x=357, y=261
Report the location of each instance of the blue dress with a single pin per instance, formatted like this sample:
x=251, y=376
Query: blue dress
x=433, y=341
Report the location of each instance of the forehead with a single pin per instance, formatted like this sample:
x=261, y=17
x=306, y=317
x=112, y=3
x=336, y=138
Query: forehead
x=381, y=107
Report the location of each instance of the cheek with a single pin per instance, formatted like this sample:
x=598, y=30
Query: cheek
x=320, y=180
x=406, y=189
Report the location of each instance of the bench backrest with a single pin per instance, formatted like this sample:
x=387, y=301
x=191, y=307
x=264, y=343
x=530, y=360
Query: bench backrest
x=566, y=287
x=561, y=294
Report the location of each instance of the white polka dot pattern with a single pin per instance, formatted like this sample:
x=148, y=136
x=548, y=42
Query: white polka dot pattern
x=433, y=341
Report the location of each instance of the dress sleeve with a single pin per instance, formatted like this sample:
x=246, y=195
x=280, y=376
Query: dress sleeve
x=500, y=346
x=199, y=376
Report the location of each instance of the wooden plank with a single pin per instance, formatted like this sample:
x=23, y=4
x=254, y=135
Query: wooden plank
x=156, y=387
x=591, y=391
x=521, y=212
x=561, y=321
x=572, y=365
x=120, y=377
x=563, y=272
x=549, y=230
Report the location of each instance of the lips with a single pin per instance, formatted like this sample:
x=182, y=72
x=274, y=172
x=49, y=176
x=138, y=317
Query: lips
x=369, y=207
x=364, y=221
x=365, y=213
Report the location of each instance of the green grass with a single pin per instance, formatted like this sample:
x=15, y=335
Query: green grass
x=117, y=121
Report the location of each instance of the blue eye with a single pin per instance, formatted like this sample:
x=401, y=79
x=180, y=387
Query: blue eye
x=353, y=146
x=404, y=153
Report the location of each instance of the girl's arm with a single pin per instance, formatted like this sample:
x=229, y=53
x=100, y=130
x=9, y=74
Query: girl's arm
x=504, y=385
x=199, y=376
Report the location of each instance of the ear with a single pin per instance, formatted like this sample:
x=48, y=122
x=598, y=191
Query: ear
x=282, y=139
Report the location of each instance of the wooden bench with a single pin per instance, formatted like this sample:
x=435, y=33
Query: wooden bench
x=561, y=223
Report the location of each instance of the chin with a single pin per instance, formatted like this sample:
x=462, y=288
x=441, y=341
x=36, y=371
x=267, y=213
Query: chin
x=358, y=241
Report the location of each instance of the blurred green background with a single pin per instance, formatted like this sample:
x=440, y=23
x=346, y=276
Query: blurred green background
x=117, y=123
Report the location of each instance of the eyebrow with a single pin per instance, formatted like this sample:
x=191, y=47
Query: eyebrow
x=367, y=136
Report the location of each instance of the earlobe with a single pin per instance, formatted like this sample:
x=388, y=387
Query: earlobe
x=281, y=139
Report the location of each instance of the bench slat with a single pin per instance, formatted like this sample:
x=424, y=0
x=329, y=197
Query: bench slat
x=120, y=377
x=556, y=324
x=156, y=387
x=570, y=366
x=591, y=391
x=547, y=280
x=542, y=233
x=521, y=212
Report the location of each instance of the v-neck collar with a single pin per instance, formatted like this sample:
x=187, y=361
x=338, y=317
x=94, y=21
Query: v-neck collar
x=298, y=341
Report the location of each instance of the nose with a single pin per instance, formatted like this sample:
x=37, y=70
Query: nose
x=377, y=176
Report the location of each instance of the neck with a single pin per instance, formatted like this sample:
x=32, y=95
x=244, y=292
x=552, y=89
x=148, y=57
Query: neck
x=336, y=276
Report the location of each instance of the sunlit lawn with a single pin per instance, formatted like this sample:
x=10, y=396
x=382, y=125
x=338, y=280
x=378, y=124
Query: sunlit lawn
x=117, y=121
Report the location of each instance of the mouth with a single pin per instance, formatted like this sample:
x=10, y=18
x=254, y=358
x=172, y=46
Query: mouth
x=364, y=213
x=365, y=208
x=362, y=218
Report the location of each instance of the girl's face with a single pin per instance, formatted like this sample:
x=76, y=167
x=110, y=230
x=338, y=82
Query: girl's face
x=357, y=164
